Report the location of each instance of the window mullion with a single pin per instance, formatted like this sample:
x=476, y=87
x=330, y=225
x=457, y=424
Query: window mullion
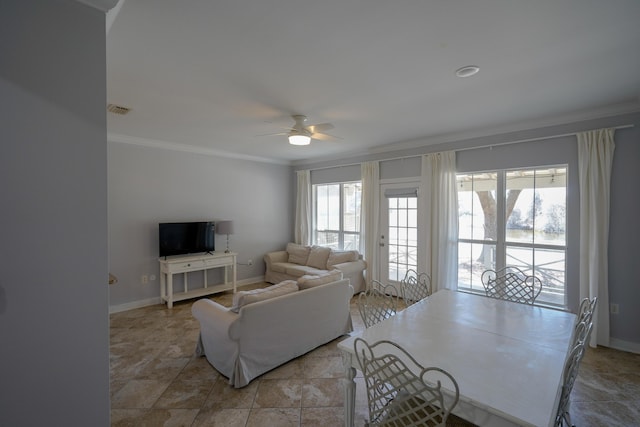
x=501, y=219
x=341, y=219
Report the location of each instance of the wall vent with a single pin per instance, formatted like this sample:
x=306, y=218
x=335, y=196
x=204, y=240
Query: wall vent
x=118, y=109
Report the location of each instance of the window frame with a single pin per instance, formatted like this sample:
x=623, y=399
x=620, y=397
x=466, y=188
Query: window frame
x=502, y=242
x=341, y=231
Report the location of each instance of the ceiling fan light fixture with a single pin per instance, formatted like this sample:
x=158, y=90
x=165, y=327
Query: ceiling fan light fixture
x=297, y=139
x=467, y=71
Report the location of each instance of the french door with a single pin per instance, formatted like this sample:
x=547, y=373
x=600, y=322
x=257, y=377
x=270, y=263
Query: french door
x=400, y=243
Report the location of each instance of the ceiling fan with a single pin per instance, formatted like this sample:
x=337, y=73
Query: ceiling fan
x=301, y=134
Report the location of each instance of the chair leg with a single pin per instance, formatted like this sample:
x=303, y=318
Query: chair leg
x=567, y=419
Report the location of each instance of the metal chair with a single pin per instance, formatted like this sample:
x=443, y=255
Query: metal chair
x=586, y=310
x=585, y=319
x=377, y=303
x=511, y=284
x=415, y=287
x=400, y=392
x=583, y=330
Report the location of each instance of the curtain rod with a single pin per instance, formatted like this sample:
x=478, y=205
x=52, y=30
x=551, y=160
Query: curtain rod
x=542, y=138
x=519, y=141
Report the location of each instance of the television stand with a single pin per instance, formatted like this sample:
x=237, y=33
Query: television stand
x=187, y=264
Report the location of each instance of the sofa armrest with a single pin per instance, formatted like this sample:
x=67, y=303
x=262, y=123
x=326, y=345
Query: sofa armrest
x=214, y=318
x=277, y=256
x=217, y=340
x=351, y=267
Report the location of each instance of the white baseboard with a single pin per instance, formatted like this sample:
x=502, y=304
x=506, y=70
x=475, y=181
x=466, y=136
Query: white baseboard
x=632, y=347
x=250, y=281
x=156, y=300
x=134, y=304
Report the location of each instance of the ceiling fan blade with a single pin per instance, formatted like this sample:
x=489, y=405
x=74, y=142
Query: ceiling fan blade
x=324, y=137
x=322, y=127
x=273, y=134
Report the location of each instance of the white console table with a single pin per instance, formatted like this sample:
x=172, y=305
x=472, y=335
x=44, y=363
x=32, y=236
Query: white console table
x=185, y=264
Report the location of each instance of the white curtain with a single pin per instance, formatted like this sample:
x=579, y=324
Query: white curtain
x=440, y=206
x=302, y=232
x=369, y=218
x=595, y=160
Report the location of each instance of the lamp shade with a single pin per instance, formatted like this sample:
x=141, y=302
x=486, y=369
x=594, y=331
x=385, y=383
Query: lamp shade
x=224, y=227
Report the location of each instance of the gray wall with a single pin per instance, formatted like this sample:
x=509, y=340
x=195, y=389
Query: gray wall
x=54, y=323
x=152, y=185
x=624, y=236
x=540, y=146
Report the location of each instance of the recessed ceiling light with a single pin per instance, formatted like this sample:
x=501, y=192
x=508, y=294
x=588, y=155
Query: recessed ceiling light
x=467, y=71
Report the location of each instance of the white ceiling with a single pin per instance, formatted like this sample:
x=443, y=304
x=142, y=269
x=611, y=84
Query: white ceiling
x=212, y=75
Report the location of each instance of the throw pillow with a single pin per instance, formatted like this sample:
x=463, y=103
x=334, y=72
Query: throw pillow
x=309, y=281
x=338, y=257
x=318, y=257
x=298, y=254
x=242, y=298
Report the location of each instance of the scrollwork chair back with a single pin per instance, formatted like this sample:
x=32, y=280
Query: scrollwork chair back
x=511, y=284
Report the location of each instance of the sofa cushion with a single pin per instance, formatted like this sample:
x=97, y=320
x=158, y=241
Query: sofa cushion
x=338, y=257
x=281, y=267
x=300, y=270
x=318, y=257
x=242, y=298
x=309, y=281
x=298, y=254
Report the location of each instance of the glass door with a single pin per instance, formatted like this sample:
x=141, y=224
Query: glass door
x=399, y=243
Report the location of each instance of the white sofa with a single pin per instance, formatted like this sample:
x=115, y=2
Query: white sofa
x=298, y=261
x=266, y=332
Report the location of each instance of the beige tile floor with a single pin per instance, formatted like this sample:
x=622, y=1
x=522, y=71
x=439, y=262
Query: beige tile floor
x=157, y=381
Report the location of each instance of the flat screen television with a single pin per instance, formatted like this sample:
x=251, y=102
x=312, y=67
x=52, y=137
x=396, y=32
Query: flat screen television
x=180, y=238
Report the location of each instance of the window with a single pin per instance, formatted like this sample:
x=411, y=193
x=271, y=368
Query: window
x=514, y=218
x=336, y=215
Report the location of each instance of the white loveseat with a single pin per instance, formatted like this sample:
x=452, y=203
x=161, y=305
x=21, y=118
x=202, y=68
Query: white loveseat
x=298, y=261
x=266, y=328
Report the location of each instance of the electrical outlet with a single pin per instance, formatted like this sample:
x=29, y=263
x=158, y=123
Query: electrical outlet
x=615, y=309
x=250, y=262
x=144, y=279
x=152, y=277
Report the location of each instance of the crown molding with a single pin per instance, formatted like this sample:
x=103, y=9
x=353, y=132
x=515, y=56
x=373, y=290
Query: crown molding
x=101, y=5
x=558, y=120
x=185, y=148
x=545, y=128
x=113, y=14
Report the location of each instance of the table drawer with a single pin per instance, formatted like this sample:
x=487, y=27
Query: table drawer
x=218, y=262
x=196, y=263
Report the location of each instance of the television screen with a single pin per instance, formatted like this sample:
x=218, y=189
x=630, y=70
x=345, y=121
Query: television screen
x=179, y=238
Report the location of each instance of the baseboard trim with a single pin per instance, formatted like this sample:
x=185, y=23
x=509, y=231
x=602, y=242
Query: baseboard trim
x=134, y=304
x=157, y=300
x=631, y=347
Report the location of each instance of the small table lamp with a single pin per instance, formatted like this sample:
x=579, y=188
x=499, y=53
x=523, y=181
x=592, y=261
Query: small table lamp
x=225, y=227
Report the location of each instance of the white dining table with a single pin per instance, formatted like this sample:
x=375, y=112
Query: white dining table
x=506, y=357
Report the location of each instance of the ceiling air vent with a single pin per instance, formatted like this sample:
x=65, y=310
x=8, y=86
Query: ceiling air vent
x=118, y=109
